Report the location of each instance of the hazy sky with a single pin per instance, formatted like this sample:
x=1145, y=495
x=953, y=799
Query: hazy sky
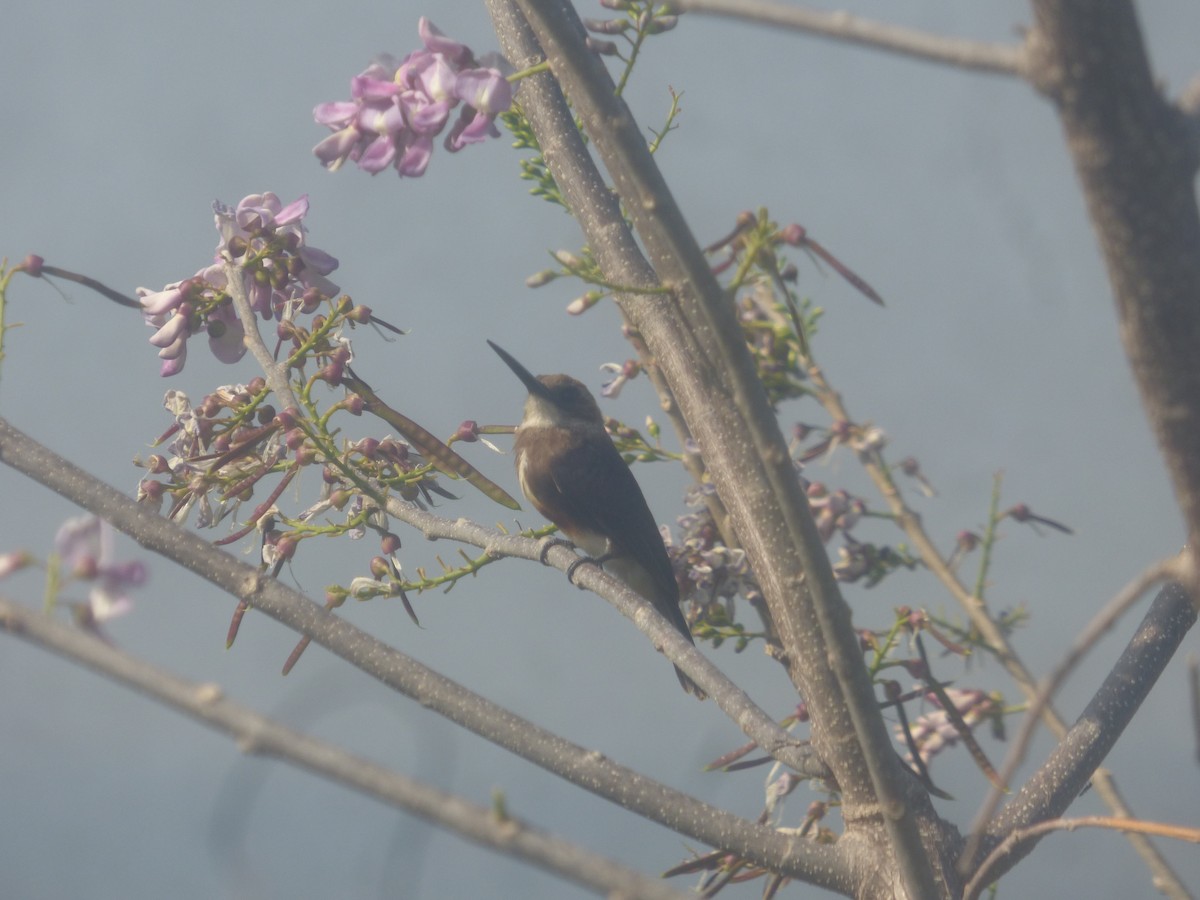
x=950, y=192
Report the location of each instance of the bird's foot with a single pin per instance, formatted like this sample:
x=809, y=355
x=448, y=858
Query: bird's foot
x=597, y=561
x=549, y=541
x=574, y=567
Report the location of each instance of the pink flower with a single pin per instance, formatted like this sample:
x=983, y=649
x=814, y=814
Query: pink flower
x=396, y=109
x=265, y=238
x=85, y=548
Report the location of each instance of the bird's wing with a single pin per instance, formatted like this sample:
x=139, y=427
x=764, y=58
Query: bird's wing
x=599, y=493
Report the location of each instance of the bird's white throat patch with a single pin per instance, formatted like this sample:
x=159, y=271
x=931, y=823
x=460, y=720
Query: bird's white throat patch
x=541, y=413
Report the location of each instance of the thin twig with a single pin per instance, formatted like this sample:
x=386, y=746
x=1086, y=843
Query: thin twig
x=979, y=881
x=1101, y=624
x=732, y=700
x=276, y=372
x=597, y=774
x=1003, y=59
x=1056, y=784
x=89, y=282
x=257, y=734
x=980, y=617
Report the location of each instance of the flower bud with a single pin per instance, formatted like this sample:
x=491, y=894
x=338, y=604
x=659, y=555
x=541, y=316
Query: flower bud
x=795, y=235
x=607, y=26
x=568, y=259
x=602, y=48
x=582, y=304
x=310, y=301
x=332, y=373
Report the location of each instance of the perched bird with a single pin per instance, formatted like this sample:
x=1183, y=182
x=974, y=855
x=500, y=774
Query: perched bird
x=570, y=470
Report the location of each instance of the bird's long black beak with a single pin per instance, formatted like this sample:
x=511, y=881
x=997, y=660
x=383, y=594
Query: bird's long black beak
x=527, y=378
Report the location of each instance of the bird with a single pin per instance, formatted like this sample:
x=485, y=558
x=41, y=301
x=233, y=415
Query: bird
x=570, y=470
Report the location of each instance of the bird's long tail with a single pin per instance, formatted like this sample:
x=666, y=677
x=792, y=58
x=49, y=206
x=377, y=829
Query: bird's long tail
x=690, y=686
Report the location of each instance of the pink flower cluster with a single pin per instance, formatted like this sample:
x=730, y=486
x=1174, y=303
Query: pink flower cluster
x=282, y=272
x=85, y=549
x=397, y=110
x=933, y=732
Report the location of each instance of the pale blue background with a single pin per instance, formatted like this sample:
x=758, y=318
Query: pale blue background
x=950, y=192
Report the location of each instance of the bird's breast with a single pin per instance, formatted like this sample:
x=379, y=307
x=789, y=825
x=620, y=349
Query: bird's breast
x=544, y=472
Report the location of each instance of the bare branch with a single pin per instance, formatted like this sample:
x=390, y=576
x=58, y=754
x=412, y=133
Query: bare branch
x=276, y=372
x=1100, y=625
x=1136, y=160
x=767, y=847
x=984, y=876
x=732, y=700
x=981, y=618
x=1056, y=784
x=1003, y=59
x=1136, y=157
x=257, y=734
x=695, y=339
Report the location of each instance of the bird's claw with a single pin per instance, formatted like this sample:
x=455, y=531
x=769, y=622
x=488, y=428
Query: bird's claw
x=573, y=567
x=597, y=561
x=549, y=541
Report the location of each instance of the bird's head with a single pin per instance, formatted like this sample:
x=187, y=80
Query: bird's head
x=554, y=400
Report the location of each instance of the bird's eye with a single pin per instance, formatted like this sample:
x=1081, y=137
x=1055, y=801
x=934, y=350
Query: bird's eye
x=569, y=395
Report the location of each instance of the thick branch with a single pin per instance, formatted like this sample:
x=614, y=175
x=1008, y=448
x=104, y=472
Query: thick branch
x=981, y=618
x=1100, y=625
x=1136, y=161
x=590, y=770
x=259, y=735
x=1060, y=779
x=1047, y=70
x=696, y=340
x=1136, y=158
x=734, y=702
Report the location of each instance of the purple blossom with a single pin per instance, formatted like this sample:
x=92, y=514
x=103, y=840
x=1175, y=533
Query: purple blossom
x=397, y=109
x=282, y=274
x=933, y=732
x=268, y=236
x=171, y=337
x=436, y=41
x=485, y=94
x=706, y=568
x=85, y=547
x=621, y=374
x=173, y=331
x=226, y=334
x=160, y=303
